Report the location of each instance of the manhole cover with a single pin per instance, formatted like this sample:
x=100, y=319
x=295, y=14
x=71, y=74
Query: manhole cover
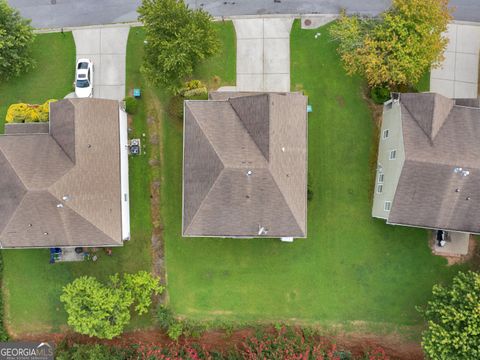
x=307, y=22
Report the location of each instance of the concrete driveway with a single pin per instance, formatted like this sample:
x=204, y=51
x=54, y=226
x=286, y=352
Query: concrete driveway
x=458, y=76
x=263, y=54
x=106, y=47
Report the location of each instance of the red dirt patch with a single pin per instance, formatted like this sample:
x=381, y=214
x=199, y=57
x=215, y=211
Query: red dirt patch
x=357, y=344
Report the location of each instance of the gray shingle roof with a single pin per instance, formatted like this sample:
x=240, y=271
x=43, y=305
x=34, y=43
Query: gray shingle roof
x=430, y=193
x=245, y=165
x=80, y=160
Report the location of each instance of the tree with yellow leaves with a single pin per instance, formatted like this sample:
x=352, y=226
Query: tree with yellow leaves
x=396, y=48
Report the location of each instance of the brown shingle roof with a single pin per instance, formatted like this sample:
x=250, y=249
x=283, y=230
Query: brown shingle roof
x=245, y=165
x=430, y=193
x=42, y=170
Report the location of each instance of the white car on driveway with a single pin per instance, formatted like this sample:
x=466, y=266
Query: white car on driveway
x=84, y=78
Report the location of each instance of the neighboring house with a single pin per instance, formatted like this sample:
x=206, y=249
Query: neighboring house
x=65, y=183
x=428, y=171
x=245, y=165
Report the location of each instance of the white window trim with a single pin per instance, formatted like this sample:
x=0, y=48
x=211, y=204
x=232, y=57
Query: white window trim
x=382, y=176
x=379, y=188
x=393, y=151
x=385, y=134
x=385, y=205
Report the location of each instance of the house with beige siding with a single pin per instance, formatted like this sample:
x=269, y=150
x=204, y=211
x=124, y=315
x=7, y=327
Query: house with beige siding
x=428, y=168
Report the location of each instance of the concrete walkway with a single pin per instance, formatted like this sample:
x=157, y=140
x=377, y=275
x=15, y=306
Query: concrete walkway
x=263, y=54
x=106, y=47
x=458, y=76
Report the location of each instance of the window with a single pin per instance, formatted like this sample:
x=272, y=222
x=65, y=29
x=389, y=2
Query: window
x=387, y=205
x=393, y=154
x=379, y=188
x=380, y=178
x=385, y=133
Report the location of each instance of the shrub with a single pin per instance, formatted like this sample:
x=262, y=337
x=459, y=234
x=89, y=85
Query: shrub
x=175, y=108
x=16, y=113
x=380, y=94
x=175, y=330
x=195, y=94
x=165, y=317
x=20, y=113
x=142, y=285
x=131, y=105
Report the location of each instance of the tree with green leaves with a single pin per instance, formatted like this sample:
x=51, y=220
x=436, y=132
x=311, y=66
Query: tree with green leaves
x=16, y=39
x=141, y=286
x=396, y=48
x=95, y=309
x=453, y=319
x=103, y=311
x=177, y=40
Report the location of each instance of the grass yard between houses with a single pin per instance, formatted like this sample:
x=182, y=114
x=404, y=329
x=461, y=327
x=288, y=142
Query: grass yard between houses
x=351, y=269
x=32, y=286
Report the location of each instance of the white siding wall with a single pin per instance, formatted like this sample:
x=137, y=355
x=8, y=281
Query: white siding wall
x=124, y=175
x=390, y=169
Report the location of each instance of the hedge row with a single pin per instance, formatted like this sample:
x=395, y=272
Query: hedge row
x=21, y=113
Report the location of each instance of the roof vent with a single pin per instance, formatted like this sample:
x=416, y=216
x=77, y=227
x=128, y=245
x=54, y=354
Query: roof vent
x=457, y=190
x=283, y=149
x=45, y=233
x=66, y=197
x=59, y=206
x=262, y=230
x=467, y=198
x=249, y=173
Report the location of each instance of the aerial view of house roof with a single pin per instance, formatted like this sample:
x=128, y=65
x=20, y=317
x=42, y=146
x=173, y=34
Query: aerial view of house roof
x=61, y=186
x=439, y=185
x=245, y=165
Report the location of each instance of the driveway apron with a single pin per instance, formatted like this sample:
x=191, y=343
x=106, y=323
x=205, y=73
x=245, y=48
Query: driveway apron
x=458, y=75
x=263, y=54
x=106, y=47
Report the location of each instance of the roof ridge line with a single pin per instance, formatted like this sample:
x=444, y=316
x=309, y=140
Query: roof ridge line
x=13, y=214
x=76, y=212
x=286, y=202
x=203, y=201
x=206, y=135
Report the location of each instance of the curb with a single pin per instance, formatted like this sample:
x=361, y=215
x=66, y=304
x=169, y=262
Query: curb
x=72, y=28
x=216, y=18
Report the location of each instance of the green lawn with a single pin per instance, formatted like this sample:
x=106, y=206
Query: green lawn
x=52, y=77
x=350, y=268
x=32, y=286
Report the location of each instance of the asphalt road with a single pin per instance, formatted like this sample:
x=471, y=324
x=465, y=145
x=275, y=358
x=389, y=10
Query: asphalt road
x=63, y=13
